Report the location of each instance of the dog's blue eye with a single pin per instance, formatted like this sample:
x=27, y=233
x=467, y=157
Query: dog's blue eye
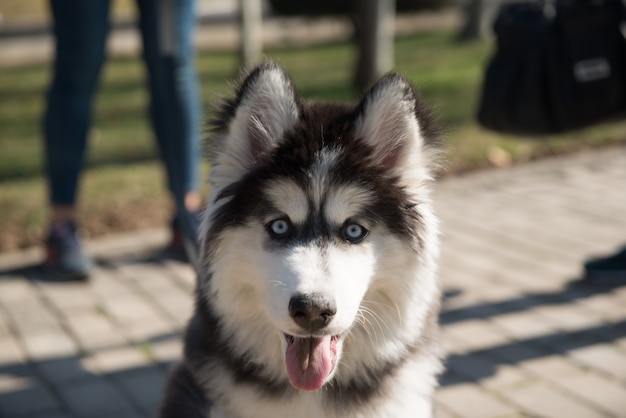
x=354, y=232
x=278, y=228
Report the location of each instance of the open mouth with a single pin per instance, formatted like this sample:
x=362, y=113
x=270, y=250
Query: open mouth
x=310, y=360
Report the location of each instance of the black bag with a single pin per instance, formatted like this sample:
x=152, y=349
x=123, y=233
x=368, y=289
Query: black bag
x=559, y=65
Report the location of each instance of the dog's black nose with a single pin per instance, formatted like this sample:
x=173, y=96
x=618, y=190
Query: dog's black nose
x=312, y=312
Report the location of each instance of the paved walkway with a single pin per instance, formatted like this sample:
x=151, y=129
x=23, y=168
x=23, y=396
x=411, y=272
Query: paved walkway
x=523, y=338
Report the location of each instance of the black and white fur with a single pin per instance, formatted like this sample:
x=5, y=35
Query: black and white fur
x=320, y=233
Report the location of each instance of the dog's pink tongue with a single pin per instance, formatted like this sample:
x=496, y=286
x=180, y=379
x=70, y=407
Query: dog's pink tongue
x=309, y=362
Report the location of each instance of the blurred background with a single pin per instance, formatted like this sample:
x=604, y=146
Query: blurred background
x=523, y=336
x=329, y=47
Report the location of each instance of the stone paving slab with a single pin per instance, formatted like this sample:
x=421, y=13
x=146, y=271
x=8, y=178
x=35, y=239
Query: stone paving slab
x=524, y=337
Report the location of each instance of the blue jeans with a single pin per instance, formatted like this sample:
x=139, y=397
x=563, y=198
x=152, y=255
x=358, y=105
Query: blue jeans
x=80, y=28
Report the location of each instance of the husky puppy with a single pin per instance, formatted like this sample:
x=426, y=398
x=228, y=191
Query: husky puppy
x=317, y=292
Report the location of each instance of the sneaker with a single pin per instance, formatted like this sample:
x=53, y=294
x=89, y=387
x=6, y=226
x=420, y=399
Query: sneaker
x=607, y=271
x=64, y=254
x=184, y=244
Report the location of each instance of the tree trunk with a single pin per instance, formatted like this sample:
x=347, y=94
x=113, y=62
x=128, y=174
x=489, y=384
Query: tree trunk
x=251, y=46
x=374, y=30
x=476, y=24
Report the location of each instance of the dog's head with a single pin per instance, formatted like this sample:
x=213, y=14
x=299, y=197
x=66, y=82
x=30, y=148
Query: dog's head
x=319, y=213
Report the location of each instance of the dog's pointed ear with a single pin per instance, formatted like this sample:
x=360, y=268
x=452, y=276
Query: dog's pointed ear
x=387, y=120
x=265, y=107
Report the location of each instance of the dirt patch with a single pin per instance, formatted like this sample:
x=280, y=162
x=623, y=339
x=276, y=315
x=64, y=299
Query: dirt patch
x=136, y=214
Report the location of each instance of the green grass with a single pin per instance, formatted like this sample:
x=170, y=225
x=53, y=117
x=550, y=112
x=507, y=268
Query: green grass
x=122, y=162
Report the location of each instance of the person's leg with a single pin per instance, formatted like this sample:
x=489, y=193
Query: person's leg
x=80, y=29
x=167, y=28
